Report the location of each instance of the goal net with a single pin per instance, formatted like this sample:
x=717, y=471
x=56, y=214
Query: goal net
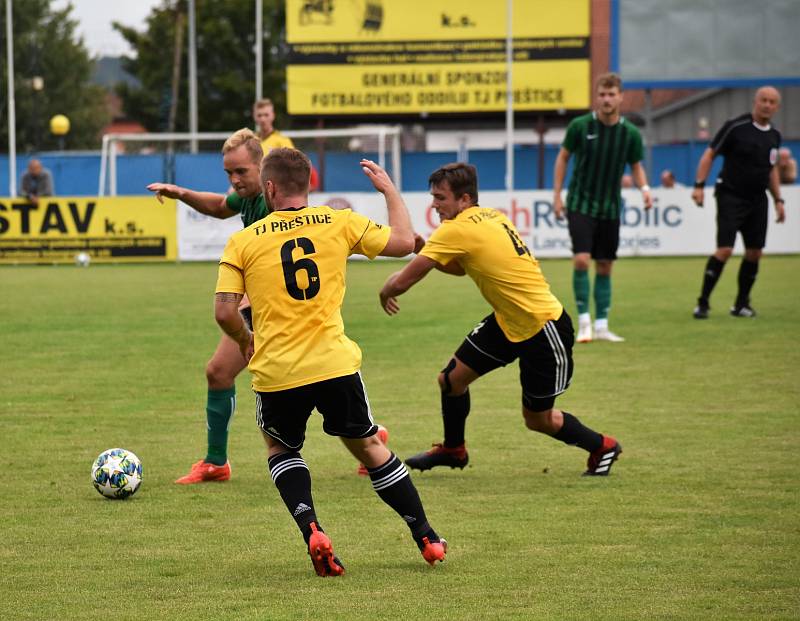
x=323, y=146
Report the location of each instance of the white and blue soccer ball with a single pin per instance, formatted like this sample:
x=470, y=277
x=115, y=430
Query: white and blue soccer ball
x=82, y=259
x=117, y=473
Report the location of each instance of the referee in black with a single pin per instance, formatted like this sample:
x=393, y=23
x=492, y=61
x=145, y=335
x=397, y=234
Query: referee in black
x=749, y=146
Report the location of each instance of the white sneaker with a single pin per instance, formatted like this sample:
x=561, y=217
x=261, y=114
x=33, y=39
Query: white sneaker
x=584, y=332
x=604, y=334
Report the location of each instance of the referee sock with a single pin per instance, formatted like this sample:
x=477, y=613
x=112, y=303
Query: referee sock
x=580, y=285
x=455, y=410
x=602, y=295
x=220, y=406
x=710, y=277
x=748, y=271
x=292, y=478
x=393, y=484
x=574, y=433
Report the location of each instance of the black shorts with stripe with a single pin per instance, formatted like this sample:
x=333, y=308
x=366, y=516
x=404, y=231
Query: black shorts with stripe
x=746, y=214
x=342, y=401
x=545, y=359
x=598, y=237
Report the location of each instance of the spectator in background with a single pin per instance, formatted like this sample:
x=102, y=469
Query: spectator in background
x=787, y=166
x=626, y=181
x=271, y=138
x=37, y=181
x=668, y=179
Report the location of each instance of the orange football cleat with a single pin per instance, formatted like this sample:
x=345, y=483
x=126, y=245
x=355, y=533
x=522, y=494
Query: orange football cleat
x=320, y=549
x=203, y=471
x=435, y=551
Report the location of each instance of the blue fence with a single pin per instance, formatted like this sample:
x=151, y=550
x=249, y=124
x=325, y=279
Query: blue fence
x=78, y=175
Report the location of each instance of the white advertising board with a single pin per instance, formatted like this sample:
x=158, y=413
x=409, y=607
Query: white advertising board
x=675, y=226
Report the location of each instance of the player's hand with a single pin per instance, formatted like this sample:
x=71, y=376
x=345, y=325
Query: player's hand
x=244, y=339
x=558, y=207
x=164, y=189
x=648, y=199
x=389, y=304
x=419, y=243
x=698, y=196
x=780, y=213
x=379, y=177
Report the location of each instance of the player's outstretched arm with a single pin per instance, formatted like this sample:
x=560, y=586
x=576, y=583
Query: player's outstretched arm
x=401, y=239
x=703, y=168
x=226, y=312
x=400, y=282
x=209, y=203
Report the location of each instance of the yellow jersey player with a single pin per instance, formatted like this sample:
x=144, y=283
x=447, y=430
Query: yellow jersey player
x=292, y=266
x=271, y=138
x=528, y=322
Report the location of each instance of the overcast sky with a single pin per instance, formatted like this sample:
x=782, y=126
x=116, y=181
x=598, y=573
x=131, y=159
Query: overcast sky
x=94, y=19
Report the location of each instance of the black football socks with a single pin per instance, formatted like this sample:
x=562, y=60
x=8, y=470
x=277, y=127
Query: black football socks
x=292, y=478
x=393, y=484
x=574, y=433
x=455, y=410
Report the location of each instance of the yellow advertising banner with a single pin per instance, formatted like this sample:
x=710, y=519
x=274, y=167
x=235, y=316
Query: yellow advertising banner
x=108, y=229
x=435, y=56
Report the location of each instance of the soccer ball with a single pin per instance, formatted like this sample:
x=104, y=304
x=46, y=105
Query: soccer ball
x=82, y=259
x=117, y=473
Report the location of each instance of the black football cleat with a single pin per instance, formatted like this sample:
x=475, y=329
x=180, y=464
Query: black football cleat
x=439, y=455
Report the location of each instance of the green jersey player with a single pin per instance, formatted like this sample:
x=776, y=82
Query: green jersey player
x=603, y=142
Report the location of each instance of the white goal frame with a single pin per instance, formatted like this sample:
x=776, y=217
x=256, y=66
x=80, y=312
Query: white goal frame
x=385, y=134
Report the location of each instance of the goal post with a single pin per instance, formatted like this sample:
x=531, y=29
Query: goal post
x=383, y=139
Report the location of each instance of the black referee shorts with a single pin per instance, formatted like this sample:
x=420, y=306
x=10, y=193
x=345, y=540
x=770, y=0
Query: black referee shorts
x=747, y=215
x=593, y=235
x=342, y=401
x=545, y=359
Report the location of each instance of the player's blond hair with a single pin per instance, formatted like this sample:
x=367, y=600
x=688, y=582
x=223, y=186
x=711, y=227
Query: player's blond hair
x=263, y=103
x=245, y=138
x=289, y=169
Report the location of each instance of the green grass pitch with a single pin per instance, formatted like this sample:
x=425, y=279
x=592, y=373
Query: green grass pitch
x=699, y=520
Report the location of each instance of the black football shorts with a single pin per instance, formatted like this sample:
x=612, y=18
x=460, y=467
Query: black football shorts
x=747, y=215
x=545, y=359
x=342, y=401
x=598, y=237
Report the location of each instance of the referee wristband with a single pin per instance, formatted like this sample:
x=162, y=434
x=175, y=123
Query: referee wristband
x=699, y=184
x=645, y=188
x=780, y=200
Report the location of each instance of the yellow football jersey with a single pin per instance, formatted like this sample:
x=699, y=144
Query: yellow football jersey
x=292, y=265
x=275, y=140
x=489, y=248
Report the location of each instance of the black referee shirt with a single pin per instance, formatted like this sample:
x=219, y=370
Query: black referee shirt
x=750, y=152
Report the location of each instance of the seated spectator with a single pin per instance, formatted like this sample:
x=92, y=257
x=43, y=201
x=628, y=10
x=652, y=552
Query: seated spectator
x=787, y=166
x=627, y=181
x=668, y=179
x=37, y=181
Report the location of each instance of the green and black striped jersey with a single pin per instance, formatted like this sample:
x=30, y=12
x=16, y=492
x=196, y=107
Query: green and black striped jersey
x=601, y=152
